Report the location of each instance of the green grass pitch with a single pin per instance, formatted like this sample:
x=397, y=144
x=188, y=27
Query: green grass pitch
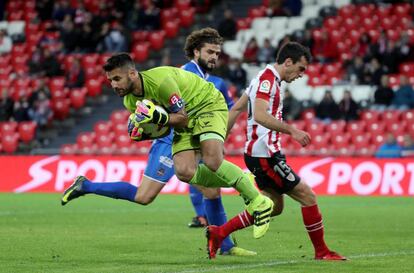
x=97, y=234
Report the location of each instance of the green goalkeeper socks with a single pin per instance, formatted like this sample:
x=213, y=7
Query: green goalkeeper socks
x=227, y=175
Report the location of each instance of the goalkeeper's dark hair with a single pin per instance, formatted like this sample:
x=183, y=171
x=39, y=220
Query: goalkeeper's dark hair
x=117, y=61
x=294, y=51
x=198, y=38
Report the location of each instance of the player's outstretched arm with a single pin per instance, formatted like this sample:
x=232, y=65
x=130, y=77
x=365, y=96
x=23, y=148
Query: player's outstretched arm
x=240, y=106
x=262, y=117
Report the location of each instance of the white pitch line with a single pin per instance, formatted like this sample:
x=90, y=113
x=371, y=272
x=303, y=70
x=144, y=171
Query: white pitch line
x=273, y=263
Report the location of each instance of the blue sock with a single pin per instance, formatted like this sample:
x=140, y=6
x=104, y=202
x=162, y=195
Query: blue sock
x=116, y=190
x=217, y=216
x=197, y=200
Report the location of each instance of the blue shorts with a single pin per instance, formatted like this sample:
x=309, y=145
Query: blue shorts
x=160, y=165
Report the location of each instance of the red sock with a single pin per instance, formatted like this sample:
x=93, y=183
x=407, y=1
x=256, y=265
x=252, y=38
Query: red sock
x=313, y=223
x=240, y=221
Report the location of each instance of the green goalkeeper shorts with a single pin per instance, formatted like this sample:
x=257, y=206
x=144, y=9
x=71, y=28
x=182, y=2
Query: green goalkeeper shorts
x=206, y=122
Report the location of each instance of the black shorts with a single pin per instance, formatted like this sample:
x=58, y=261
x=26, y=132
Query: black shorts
x=272, y=172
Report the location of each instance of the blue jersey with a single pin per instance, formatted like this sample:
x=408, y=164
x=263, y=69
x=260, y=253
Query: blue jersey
x=218, y=82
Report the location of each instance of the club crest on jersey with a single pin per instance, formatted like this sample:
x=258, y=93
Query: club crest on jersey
x=264, y=86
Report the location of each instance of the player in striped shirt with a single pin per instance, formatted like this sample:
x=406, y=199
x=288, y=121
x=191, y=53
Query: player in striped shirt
x=263, y=156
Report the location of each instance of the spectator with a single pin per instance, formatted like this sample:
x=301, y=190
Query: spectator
x=287, y=38
x=40, y=112
x=5, y=42
x=61, y=9
x=21, y=110
x=291, y=106
x=151, y=17
x=44, y=9
x=36, y=62
x=327, y=109
x=348, y=107
x=325, y=49
x=362, y=48
x=222, y=69
x=75, y=77
x=407, y=146
x=134, y=17
x=250, y=53
x=276, y=8
x=50, y=64
x=391, y=57
x=6, y=106
x=374, y=72
x=266, y=53
x=390, y=149
x=356, y=71
x=293, y=7
x=383, y=95
x=237, y=75
x=404, y=96
x=227, y=28
x=41, y=87
x=68, y=34
x=115, y=40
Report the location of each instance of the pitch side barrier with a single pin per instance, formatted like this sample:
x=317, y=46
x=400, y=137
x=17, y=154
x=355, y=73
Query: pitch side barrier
x=326, y=175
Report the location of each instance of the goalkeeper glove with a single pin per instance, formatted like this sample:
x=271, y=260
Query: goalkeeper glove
x=147, y=112
x=134, y=132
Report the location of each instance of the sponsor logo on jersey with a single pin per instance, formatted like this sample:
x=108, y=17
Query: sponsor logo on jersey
x=264, y=86
x=176, y=103
x=165, y=160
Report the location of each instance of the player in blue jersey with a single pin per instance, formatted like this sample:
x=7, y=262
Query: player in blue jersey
x=203, y=48
x=206, y=45
x=203, y=57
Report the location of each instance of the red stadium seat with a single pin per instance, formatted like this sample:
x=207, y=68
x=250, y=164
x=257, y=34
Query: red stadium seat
x=171, y=28
x=383, y=11
x=8, y=127
x=366, y=10
x=378, y=140
x=308, y=115
x=94, y=87
x=77, y=97
x=356, y=127
x=60, y=108
x=408, y=116
x=361, y=141
x=102, y=127
x=182, y=4
x=57, y=83
x=85, y=139
x=397, y=128
x=123, y=141
x=374, y=34
x=156, y=39
x=10, y=143
x=256, y=12
x=168, y=15
x=320, y=141
x=90, y=59
x=407, y=69
x=140, y=36
x=314, y=70
x=340, y=141
x=370, y=116
x=242, y=23
x=336, y=127
x=402, y=9
x=141, y=52
x=391, y=116
x=5, y=60
x=68, y=149
x=394, y=80
x=316, y=128
x=119, y=116
x=376, y=128
x=386, y=23
x=347, y=11
x=27, y=131
x=299, y=124
x=186, y=17
x=331, y=23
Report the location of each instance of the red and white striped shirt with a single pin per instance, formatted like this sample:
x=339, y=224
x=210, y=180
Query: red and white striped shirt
x=262, y=142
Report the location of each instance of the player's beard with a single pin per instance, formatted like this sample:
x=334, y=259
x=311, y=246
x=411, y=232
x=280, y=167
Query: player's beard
x=123, y=92
x=205, y=65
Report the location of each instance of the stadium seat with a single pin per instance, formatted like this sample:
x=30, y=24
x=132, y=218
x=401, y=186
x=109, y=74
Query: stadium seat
x=85, y=139
x=336, y=127
x=102, y=128
x=315, y=128
x=56, y=83
x=378, y=139
x=370, y=116
x=60, y=108
x=356, y=127
x=391, y=116
x=140, y=51
x=376, y=128
x=407, y=69
x=408, y=116
x=361, y=141
x=68, y=149
x=10, y=143
x=94, y=87
x=340, y=141
x=171, y=28
x=77, y=97
x=182, y=4
x=27, y=131
x=186, y=17
x=396, y=128
x=168, y=15
x=8, y=127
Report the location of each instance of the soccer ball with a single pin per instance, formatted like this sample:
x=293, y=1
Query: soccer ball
x=154, y=131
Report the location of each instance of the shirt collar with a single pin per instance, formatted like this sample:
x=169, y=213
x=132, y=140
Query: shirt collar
x=203, y=74
x=273, y=69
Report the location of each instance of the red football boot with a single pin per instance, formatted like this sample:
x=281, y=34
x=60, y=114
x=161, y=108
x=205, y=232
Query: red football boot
x=331, y=256
x=214, y=241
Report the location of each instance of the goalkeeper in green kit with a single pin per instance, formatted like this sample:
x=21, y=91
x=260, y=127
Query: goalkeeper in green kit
x=198, y=113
